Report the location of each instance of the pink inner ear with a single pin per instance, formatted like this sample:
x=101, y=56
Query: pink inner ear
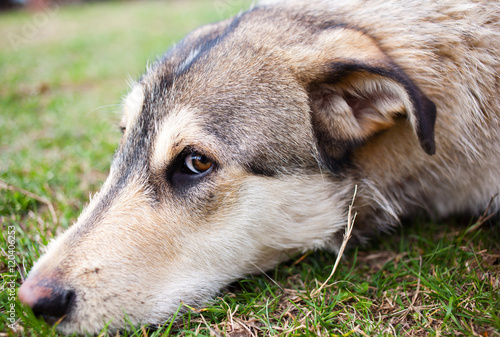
x=373, y=110
x=379, y=106
x=359, y=105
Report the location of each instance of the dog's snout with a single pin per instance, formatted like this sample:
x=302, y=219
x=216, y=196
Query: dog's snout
x=47, y=298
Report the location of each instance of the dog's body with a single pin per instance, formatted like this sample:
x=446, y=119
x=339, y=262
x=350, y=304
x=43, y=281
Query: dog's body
x=246, y=141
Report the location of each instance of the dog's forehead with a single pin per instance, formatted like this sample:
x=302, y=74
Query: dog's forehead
x=244, y=98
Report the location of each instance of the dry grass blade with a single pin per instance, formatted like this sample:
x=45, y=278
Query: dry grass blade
x=4, y=185
x=212, y=331
x=347, y=235
x=484, y=217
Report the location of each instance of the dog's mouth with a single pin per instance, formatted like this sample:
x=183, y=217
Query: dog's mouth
x=52, y=320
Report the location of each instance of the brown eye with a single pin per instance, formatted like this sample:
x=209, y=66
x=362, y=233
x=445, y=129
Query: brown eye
x=197, y=163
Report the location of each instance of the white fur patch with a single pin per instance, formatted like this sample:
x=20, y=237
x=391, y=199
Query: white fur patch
x=132, y=106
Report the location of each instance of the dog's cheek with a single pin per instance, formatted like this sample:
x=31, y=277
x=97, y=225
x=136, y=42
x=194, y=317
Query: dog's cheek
x=286, y=213
x=256, y=223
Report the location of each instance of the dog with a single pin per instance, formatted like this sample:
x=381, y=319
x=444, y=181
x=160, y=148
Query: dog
x=246, y=141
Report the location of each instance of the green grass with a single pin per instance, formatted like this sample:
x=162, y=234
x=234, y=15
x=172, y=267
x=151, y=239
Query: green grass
x=59, y=107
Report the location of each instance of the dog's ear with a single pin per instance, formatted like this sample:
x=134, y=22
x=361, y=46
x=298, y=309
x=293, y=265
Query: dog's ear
x=358, y=93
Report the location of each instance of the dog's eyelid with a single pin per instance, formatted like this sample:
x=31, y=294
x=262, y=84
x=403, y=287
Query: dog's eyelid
x=196, y=149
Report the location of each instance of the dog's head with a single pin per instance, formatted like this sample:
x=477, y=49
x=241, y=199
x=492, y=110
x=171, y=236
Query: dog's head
x=239, y=148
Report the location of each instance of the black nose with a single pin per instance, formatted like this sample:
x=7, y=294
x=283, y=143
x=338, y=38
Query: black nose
x=47, y=298
x=55, y=307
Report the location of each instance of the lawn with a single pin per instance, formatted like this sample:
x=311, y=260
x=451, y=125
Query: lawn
x=63, y=75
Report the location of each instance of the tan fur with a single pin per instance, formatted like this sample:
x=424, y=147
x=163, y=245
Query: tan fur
x=295, y=104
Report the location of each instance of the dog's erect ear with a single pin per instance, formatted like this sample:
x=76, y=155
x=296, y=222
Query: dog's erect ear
x=356, y=92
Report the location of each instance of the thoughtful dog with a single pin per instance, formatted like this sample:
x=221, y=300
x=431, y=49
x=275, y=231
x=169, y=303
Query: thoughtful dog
x=245, y=142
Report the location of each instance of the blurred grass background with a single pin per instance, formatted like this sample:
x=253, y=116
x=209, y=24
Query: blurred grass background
x=63, y=73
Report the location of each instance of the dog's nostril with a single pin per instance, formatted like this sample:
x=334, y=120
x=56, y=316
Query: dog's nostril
x=56, y=306
x=47, y=299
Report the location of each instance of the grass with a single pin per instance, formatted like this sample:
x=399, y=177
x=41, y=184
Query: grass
x=62, y=81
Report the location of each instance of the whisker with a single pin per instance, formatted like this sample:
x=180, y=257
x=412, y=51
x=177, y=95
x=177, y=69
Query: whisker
x=269, y=277
x=102, y=107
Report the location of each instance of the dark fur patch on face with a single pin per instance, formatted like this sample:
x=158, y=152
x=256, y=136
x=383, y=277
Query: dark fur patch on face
x=335, y=153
